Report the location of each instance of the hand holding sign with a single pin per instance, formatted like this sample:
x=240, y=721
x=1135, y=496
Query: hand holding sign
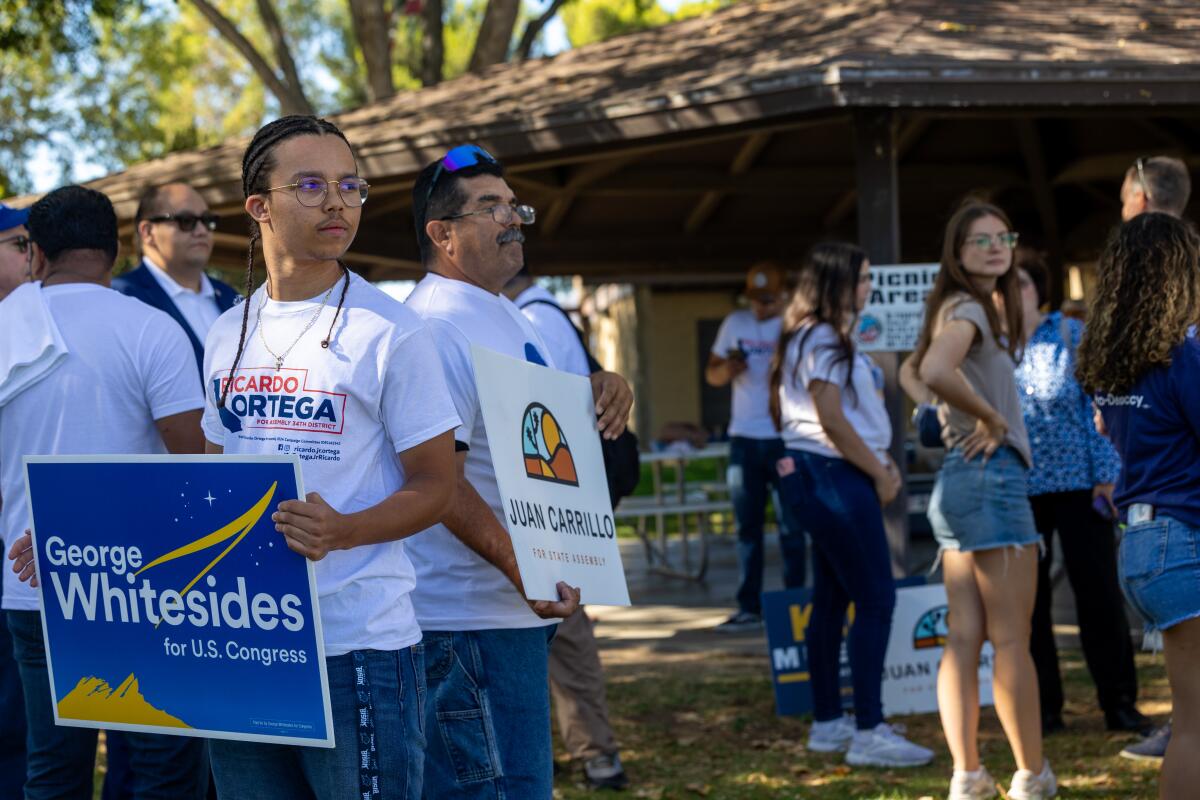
x=21, y=554
x=614, y=399
x=311, y=527
x=560, y=609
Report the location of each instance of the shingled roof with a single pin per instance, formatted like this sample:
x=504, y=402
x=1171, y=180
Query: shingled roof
x=756, y=60
x=682, y=136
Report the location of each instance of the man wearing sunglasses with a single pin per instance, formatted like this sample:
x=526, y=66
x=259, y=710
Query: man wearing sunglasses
x=486, y=647
x=1158, y=183
x=14, y=247
x=175, y=237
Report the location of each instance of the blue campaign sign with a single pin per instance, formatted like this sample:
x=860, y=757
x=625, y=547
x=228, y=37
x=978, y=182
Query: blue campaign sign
x=786, y=614
x=169, y=602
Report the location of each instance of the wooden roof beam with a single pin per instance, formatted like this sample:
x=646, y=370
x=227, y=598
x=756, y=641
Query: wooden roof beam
x=1043, y=199
x=579, y=180
x=747, y=154
x=905, y=141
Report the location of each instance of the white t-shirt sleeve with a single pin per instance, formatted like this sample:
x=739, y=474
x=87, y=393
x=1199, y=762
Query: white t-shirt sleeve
x=167, y=359
x=415, y=403
x=454, y=351
x=726, y=340
x=822, y=359
x=214, y=431
x=560, y=337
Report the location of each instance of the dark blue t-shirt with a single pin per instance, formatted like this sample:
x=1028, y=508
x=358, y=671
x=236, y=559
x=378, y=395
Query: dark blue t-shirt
x=1156, y=429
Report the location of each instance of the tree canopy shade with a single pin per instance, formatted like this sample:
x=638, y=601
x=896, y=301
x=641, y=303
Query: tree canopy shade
x=688, y=151
x=120, y=81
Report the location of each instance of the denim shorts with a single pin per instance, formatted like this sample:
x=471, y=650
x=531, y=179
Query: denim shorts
x=978, y=506
x=1160, y=570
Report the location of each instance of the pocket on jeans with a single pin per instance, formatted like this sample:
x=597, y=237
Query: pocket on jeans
x=962, y=488
x=464, y=725
x=1143, y=554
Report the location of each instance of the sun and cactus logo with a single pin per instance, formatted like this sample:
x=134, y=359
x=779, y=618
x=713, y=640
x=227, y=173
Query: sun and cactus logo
x=547, y=454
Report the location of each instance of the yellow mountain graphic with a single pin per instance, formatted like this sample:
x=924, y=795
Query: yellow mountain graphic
x=93, y=699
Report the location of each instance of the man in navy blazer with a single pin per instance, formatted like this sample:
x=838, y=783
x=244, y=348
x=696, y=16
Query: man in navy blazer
x=175, y=237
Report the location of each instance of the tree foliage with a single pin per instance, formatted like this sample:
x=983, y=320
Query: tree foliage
x=114, y=82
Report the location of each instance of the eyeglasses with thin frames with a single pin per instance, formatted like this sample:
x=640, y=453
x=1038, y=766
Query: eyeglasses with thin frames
x=311, y=192
x=502, y=214
x=20, y=241
x=984, y=240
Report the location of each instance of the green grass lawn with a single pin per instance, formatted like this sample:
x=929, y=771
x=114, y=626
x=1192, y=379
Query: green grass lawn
x=705, y=726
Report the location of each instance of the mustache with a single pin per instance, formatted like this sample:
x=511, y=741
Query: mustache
x=338, y=218
x=511, y=235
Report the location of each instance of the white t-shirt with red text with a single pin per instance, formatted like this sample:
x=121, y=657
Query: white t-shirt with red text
x=346, y=411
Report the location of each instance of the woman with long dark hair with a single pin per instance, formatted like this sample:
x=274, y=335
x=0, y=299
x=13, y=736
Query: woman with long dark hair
x=988, y=545
x=836, y=476
x=1140, y=358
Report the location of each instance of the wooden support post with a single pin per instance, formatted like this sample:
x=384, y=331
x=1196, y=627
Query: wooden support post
x=879, y=234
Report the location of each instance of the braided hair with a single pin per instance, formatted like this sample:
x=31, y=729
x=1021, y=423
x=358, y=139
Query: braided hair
x=257, y=163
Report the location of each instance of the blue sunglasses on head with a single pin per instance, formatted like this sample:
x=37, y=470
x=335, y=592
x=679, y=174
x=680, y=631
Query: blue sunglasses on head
x=461, y=157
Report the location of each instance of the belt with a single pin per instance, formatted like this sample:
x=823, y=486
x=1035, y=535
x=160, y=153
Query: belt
x=1140, y=512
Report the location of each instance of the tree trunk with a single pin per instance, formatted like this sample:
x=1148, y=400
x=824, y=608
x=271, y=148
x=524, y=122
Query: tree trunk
x=291, y=97
x=433, y=47
x=495, y=34
x=535, y=27
x=372, y=29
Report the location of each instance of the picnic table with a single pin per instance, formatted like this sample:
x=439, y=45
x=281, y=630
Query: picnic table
x=681, y=500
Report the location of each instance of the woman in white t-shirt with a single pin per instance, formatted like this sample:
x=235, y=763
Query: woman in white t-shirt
x=836, y=477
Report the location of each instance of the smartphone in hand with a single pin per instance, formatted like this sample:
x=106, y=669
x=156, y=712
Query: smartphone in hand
x=1102, y=507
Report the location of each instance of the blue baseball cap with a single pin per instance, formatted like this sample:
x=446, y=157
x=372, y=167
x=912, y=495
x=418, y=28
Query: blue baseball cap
x=12, y=217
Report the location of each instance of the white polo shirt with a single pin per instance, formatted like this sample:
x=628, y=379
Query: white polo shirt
x=198, y=308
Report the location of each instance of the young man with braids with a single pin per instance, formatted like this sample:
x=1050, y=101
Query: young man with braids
x=359, y=395
x=488, y=714
x=124, y=384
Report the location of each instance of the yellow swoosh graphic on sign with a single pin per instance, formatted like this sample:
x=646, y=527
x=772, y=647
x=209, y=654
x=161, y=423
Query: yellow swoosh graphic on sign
x=239, y=527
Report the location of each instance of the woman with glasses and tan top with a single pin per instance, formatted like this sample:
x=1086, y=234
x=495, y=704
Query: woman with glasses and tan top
x=988, y=544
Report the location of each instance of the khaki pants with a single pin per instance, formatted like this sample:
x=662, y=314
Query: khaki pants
x=577, y=688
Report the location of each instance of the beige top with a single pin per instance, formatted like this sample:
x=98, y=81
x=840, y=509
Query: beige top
x=988, y=368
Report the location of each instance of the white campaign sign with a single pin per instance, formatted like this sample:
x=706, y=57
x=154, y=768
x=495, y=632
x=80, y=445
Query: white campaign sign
x=541, y=429
x=891, y=322
x=915, y=649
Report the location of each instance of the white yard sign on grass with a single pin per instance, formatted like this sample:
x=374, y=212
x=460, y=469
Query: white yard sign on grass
x=541, y=430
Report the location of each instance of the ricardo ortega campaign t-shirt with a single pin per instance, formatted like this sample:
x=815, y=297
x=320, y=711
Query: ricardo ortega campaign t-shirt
x=346, y=411
x=457, y=590
x=741, y=330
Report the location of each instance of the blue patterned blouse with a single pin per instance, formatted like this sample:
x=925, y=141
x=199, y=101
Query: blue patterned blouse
x=1068, y=453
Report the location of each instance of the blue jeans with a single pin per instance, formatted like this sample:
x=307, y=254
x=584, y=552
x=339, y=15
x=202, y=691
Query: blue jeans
x=12, y=719
x=378, y=703
x=751, y=472
x=62, y=759
x=489, y=714
x=1160, y=570
x=837, y=504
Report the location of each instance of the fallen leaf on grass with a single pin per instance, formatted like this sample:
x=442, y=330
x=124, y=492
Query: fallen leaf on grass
x=699, y=789
x=650, y=792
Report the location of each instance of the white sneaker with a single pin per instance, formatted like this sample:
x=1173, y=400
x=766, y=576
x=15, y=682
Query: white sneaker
x=831, y=736
x=1028, y=786
x=977, y=785
x=884, y=747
